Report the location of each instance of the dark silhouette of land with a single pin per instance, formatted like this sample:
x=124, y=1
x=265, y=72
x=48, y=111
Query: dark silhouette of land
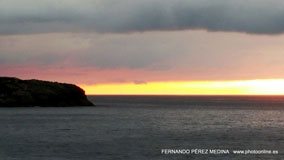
x=15, y=92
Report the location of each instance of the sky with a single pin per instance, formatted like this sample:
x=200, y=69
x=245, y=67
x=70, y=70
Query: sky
x=146, y=46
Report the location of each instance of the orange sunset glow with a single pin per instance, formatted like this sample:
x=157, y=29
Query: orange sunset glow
x=246, y=87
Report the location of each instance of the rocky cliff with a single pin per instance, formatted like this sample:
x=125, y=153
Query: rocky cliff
x=17, y=92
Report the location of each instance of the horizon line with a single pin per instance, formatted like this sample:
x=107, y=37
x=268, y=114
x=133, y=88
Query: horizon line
x=199, y=95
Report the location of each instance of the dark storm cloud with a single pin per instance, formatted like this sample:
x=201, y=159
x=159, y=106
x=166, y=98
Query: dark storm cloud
x=33, y=16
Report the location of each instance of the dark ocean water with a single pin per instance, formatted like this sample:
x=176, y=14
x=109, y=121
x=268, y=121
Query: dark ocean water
x=138, y=127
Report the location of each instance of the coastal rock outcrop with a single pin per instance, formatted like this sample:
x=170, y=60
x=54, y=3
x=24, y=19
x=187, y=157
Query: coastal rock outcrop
x=17, y=92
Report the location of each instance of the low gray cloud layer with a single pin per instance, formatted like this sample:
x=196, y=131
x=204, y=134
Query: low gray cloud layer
x=141, y=58
x=123, y=16
x=103, y=51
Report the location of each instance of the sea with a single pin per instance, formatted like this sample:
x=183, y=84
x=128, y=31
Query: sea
x=147, y=128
